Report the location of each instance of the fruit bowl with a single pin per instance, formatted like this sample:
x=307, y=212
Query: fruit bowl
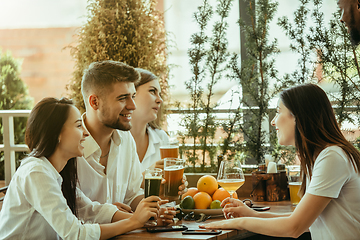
x=205, y=198
x=208, y=212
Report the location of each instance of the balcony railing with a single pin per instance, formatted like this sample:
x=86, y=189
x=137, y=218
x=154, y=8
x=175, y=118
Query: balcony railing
x=9, y=147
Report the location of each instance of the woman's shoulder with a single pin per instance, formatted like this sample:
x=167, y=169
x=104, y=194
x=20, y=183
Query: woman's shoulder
x=333, y=148
x=333, y=151
x=33, y=164
x=160, y=133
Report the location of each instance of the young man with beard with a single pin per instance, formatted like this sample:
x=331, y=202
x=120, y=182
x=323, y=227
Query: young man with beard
x=110, y=171
x=350, y=16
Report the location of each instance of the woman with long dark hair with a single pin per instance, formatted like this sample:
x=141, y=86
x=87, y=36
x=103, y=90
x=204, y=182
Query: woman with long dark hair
x=42, y=201
x=329, y=168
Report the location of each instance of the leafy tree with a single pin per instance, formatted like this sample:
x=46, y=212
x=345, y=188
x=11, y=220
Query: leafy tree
x=318, y=45
x=130, y=31
x=297, y=33
x=300, y=44
x=338, y=59
x=208, y=56
x=335, y=55
x=13, y=95
x=197, y=56
x=231, y=126
x=216, y=58
x=254, y=75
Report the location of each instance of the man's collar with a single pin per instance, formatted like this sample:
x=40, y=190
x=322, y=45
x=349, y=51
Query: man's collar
x=90, y=145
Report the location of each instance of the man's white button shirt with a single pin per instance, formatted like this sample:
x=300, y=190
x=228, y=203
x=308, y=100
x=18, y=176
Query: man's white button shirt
x=123, y=178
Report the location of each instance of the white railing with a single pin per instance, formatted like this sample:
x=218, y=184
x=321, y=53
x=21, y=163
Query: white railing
x=9, y=147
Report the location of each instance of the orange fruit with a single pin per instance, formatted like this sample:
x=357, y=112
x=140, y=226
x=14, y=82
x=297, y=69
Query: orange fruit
x=190, y=192
x=207, y=184
x=220, y=194
x=235, y=195
x=202, y=200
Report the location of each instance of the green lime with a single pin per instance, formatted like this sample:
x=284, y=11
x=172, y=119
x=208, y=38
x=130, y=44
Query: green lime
x=215, y=204
x=187, y=203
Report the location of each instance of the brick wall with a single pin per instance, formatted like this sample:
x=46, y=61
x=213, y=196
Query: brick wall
x=47, y=66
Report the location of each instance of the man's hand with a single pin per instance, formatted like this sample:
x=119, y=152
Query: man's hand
x=183, y=186
x=160, y=164
x=123, y=207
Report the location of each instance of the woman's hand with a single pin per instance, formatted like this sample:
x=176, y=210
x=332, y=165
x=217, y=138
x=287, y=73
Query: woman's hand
x=236, y=208
x=183, y=186
x=147, y=208
x=166, y=215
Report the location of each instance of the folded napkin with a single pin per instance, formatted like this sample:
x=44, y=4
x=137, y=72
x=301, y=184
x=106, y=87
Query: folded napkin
x=271, y=168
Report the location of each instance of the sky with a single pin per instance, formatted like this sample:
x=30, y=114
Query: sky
x=41, y=13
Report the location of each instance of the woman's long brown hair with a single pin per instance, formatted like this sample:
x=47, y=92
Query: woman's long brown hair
x=316, y=127
x=42, y=137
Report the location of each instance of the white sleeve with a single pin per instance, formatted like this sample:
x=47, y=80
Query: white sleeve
x=44, y=194
x=134, y=187
x=329, y=175
x=94, y=212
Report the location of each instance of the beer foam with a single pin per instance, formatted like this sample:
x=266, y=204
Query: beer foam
x=149, y=176
x=173, y=168
x=231, y=180
x=169, y=147
x=294, y=183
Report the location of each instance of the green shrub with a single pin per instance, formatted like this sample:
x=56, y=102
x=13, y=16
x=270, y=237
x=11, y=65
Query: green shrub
x=129, y=31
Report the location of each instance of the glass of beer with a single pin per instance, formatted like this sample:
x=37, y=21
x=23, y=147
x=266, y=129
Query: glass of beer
x=294, y=186
x=174, y=170
x=152, y=181
x=230, y=175
x=169, y=149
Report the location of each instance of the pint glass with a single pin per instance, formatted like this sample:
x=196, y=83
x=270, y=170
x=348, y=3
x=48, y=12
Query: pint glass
x=152, y=181
x=294, y=186
x=169, y=149
x=174, y=170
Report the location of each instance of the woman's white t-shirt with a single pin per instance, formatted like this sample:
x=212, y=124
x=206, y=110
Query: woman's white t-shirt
x=334, y=176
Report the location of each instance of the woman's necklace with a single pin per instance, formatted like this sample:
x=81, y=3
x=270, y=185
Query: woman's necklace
x=105, y=154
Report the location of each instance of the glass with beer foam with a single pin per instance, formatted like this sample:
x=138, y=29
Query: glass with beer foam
x=152, y=181
x=294, y=186
x=174, y=170
x=169, y=149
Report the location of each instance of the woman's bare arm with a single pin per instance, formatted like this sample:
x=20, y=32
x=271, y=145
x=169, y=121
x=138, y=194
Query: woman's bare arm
x=294, y=225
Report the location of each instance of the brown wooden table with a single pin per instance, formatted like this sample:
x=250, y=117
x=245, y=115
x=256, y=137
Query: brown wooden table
x=278, y=207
